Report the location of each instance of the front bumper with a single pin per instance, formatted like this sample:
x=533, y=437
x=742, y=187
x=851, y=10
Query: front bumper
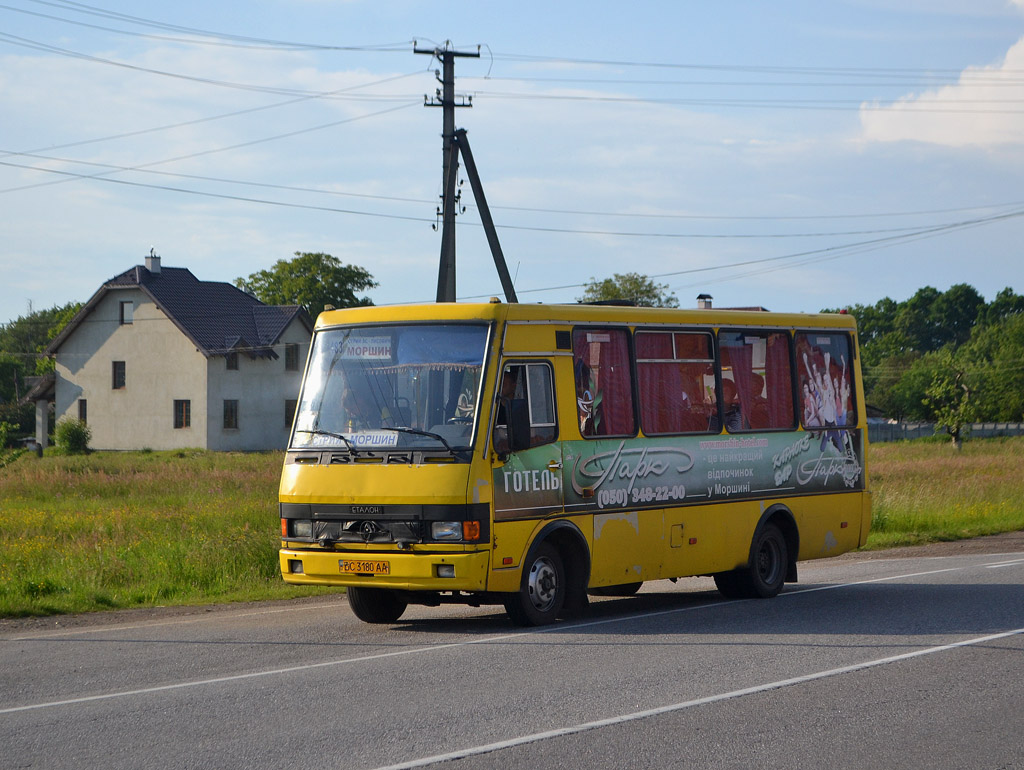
x=406, y=571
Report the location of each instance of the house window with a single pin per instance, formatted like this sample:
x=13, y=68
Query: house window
x=291, y=357
x=82, y=411
x=125, y=313
x=232, y=361
x=182, y=413
x=118, y=375
x=290, y=406
x=230, y=414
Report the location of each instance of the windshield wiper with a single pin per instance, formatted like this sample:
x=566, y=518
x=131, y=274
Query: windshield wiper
x=317, y=432
x=418, y=432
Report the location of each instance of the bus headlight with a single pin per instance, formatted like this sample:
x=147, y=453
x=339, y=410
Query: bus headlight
x=446, y=530
x=302, y=528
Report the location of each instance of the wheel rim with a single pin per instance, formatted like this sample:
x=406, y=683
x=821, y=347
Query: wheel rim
x=769, y=561
x=543, y=584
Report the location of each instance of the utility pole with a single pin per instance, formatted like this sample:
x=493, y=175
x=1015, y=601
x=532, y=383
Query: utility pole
x=445, y=99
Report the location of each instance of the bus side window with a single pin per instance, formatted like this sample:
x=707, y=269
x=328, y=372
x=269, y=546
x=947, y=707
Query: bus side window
x=604, y=382
x=757, y=380
x=525, y=415
x=825, y=380
x=673, y=370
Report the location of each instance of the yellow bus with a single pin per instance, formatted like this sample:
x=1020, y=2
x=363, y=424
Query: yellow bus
x=534, y=455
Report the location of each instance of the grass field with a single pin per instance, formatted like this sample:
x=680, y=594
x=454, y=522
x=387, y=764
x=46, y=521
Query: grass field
x=114, y=530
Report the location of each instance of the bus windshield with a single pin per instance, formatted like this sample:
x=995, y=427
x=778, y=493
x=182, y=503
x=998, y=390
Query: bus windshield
x=392, y=387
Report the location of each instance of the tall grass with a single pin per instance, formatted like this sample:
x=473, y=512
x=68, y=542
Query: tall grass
x=114, y=530
x=927, y=491
x=138, y=529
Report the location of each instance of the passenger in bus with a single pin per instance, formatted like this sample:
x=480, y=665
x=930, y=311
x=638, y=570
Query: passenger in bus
x=694, y=411
x=760, y=417
x=734, y=418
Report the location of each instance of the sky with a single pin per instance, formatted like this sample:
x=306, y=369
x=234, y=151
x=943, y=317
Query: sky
x=790, y=155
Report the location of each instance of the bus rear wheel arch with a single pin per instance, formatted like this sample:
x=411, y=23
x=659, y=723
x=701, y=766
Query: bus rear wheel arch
x=771, y=563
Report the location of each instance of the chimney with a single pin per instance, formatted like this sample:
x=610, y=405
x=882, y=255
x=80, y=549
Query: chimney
x=153, y=261
x=703, y=301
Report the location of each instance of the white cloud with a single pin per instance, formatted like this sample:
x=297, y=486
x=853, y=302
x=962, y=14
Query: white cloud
x=982, y=109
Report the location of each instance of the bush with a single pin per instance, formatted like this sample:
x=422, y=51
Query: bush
x=6, y=431
x=72, y=436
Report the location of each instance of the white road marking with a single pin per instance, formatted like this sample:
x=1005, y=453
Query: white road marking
x=451, y=645
x=647, y=713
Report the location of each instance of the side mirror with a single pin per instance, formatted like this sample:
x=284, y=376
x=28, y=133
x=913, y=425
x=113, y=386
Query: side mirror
x=501, y=442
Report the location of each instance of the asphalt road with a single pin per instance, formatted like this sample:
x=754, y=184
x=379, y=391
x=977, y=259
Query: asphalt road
x=866, y=663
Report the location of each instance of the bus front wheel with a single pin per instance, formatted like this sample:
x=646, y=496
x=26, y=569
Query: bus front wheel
x=542, y=589
x=375, y=605
x=764, y=575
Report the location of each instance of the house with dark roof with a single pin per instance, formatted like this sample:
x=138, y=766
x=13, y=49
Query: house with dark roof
x=159, y=359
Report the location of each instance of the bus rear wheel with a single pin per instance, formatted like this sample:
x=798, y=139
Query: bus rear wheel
x=375, y=605
x=542, y=589
x=764, y=575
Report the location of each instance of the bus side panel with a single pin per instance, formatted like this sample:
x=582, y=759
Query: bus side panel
x=865, y=518
x=628, y=547
x=511, y=539
x=829, y=524
x=702, y=539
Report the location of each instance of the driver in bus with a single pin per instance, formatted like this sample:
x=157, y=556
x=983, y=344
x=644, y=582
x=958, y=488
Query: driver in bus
x=362, y=410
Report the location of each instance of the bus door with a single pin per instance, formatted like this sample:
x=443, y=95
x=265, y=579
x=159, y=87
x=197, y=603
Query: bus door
x=528, y=476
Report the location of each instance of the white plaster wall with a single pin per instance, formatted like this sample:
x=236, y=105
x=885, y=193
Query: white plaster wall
x=261, y=386
x=161, y=365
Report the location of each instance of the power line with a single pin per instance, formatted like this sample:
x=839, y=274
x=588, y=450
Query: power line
x=901, y=233
x=202, y=153
x=920, y=105
x=223, y=196
x=211, y=118
x=223, y=36
x=879, y=72
x=423, y=201
x=814, y=255
x=36, y=45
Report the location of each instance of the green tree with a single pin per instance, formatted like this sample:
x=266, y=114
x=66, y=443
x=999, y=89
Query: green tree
x=632, y=287
x=884, y=387
x=312, y=281
x=27, y=336
x=915, y=321
x=1006, y=304
x=12, y=376
x=997, y=355
x=951, y=395
x=954, y=313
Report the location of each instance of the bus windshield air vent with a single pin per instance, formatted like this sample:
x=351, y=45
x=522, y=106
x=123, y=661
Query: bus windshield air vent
x=398, y=458
x=372, y=459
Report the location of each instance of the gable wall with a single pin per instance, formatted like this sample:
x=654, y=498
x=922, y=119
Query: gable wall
x=161, y=365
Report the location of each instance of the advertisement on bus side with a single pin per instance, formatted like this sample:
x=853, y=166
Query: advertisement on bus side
x=630, y=473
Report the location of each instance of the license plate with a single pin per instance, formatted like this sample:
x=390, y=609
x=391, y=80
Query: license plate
x=364, y=567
